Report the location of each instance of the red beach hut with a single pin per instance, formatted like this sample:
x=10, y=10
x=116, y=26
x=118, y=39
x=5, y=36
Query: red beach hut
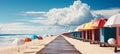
x=96, y=29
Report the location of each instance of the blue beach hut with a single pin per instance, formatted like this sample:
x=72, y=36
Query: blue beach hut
x=79, y=34
x=114, y=21
x=106, y=33
x=72, y=33
x=79, y=30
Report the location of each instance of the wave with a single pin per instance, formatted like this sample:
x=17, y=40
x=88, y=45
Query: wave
x=13, y=34
x=7, y=39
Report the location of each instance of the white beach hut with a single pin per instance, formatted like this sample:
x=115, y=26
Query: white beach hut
x=114, y=21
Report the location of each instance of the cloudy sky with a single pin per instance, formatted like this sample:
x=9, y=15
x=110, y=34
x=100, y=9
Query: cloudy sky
x=52, y=16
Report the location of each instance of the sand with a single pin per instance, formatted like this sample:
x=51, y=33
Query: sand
x=87, y=48
x=36, y=45
x=27, y=48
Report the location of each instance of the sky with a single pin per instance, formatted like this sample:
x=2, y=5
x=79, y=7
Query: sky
x=51, y=16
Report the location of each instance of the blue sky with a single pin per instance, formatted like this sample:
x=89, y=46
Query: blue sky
x=61, y=14
x=11, y=9
x=102, y=4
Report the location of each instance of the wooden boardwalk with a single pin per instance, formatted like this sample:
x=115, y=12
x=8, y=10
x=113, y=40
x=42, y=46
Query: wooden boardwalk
x=59, y=46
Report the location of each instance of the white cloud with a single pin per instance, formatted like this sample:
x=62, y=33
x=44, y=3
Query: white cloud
x=21, y=28
x=17, y=28
x=105, y=13
x=75, y=14
x=34, y=12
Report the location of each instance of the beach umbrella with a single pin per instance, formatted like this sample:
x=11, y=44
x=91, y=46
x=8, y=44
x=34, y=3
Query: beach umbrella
x=40, y=38
x=27, y=39
x=33, y=37
x=18, y=42
x=113, y=21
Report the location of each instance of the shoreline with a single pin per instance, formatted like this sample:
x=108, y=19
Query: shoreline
x=28, y=48
x=37, y=45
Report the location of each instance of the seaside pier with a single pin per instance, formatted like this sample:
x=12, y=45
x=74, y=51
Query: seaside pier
x=59, y=46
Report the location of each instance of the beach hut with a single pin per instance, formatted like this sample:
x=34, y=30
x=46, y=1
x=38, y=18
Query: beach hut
x=78, y=32
x=96, y=29
x=68, y=33
x=79, y=35
x=88, y=31
x=83, y=31
x=105, y=34
x=109, y=31
x=114, y=21
x=72, y=33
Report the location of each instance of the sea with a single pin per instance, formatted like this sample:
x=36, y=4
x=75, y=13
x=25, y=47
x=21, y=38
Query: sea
x=7, y=39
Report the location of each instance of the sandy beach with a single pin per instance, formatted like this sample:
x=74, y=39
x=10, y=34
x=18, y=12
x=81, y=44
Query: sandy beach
x=27, y=48
x=36, y=45
x=87, y=48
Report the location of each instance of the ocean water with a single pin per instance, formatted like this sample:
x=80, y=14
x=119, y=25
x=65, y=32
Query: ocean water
x=7, y=39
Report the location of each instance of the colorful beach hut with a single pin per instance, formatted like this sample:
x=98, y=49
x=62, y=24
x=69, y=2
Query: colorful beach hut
x=88, y=31
x=81, y=28
x=105, y=34
x=114, y=21
x=72, y=33
x=78, y=30
x=83, y=31
x=75, y=33
x=109, y=31
x=96, y=29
